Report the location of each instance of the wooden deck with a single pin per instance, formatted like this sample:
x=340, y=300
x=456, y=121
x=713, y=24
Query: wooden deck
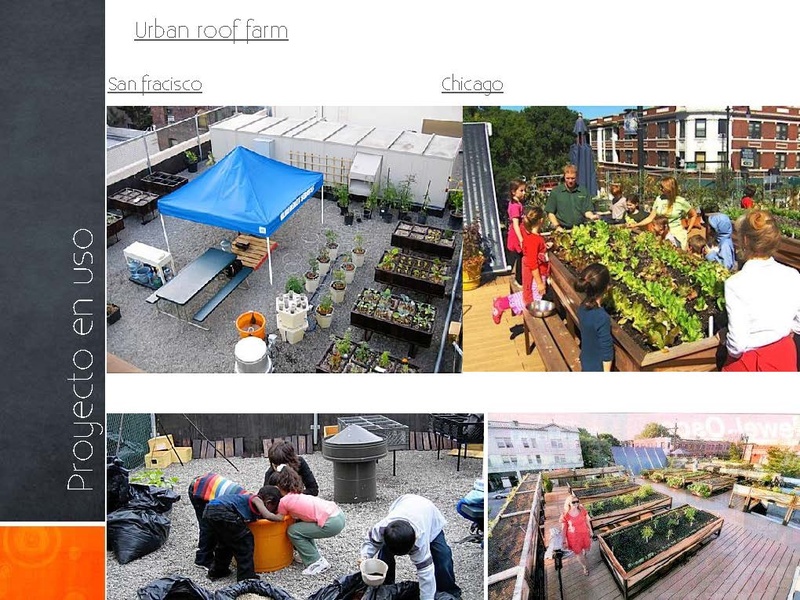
x=741, y=563
x=489, y=347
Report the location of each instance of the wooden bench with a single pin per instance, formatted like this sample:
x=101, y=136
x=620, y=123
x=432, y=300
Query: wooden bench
x=202, y=314
x=558, y=349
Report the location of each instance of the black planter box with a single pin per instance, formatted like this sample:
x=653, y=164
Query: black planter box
x=400, y=332
x=114, y=315
x=412, y=236
x=394, y=278
x=163, y=183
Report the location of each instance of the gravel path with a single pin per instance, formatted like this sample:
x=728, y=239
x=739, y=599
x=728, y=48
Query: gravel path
x=417, y=472
x=157, y=343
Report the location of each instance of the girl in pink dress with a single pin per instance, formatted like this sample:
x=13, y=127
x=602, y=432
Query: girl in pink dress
x=514, y=240
x=576, y=529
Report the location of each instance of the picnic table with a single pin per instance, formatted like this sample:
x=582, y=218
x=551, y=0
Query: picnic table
x=194, y=278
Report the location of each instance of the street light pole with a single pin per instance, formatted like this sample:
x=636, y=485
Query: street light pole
x=640, y=148
x=728, y=128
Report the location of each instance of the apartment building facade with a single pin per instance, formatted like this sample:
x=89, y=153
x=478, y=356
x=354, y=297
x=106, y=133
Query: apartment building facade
x=515, y=448
x=755, y=139
x=687, y=447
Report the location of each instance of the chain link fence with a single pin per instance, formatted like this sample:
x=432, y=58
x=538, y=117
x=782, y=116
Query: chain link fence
x=127, y=435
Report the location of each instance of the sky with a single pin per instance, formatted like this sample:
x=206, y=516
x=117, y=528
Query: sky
x=759, y=428
x=589, y=112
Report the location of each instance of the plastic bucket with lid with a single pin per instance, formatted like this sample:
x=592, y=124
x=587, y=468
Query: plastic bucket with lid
x=251, y=323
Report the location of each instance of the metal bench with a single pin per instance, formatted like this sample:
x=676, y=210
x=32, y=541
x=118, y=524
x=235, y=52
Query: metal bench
x=202, y=314
x=557, y=347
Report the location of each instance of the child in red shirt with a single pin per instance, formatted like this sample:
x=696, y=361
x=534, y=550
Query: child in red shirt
x=535, y=268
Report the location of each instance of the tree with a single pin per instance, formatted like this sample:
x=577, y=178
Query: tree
x=653, y=430
x=783, y=460
x=607, y=437
x=595, y=452
x=134, y=117
x=533, y=141
x=735, y=452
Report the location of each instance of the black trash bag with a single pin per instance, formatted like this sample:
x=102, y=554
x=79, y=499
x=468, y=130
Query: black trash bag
x=117, y=487
x=174, y=587
x=347, y=586
x=132, y=534
x=150, y=497
x=253, y=586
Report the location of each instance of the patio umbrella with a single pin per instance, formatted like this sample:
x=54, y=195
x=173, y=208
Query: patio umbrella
x=580, y=155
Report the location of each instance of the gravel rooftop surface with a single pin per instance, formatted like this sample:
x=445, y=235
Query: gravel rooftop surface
x=417, y=472
x=157, y=343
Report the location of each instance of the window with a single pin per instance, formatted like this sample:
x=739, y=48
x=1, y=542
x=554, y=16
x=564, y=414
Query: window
x=607, y=133
x=629, y=156
x=722, y=128
x=780, y=160
x=504, y=443
x=609, y=155
x=560, y=458
x=663, y=130
x=782, y=131
x=700, y=128
x=525, y=443
x=509, y=460
x=682, y=128
x=754, y=129
x=700, y=159
x=557, y=443
x=663, y=159
x=538, y=459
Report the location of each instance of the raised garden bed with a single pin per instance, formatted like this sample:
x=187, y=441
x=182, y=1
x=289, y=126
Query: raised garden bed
x=362, y=359
x=163, y=183
x=684, y=478
x=396, y=316
x=710, y=485
x=427, y=276
x=594, y=493
x=114, y=224
x=600, y=482
x=754, y=495
x=658, y=475
x=662, y=301
x=638, y=553
x=425, y=239
x=133, y=201
x=625, y=508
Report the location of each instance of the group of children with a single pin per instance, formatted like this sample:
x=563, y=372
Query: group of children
x=414, y=526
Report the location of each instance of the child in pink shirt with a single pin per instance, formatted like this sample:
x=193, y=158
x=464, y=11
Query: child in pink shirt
x=315, y=519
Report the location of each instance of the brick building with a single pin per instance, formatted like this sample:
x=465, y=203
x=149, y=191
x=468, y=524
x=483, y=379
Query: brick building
x=687, y=447
x=763, y=137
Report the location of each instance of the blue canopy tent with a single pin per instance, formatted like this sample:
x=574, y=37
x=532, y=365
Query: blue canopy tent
x=244, y=192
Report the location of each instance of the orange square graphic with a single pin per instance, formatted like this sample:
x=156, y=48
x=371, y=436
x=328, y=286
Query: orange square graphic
x=52, y=563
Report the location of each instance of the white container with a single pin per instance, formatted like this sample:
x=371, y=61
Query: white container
x=324, y=321
x=292, y=310
x=293, y=335
x=337, y=295
x=312, y=284
x=358, y=259
x=373, y=571
x=348, y=275
x=251, y=356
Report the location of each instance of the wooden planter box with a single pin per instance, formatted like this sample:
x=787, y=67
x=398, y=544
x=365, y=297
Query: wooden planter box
x=633, y=581
x=409, y=281
x=590, y=494
x=415, y=237
x=593, y=483
x=754, y=495
x=163, y=183
x=628, y=354
x=687, y=478
x=788, y=252
x=717, y=484
x=613, y=520
x=352, y=365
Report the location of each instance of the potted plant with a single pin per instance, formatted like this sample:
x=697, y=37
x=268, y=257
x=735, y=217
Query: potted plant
x=404, y=197
x=363, y=354
x=112, y=313
x=312, y=275
x=371, y=202
x=384, y=363
x=457, y=210
x=344, y=344
x=349, y=269
x=342, y=193
x=332, y=245
x=338, y=286
x=324, y=312
x=191, y=161
x=211, y=161
x=323, y=260
x=389, y=201
x=358, y=250
x=473, y=256
x=422, y=217
x=295, y=283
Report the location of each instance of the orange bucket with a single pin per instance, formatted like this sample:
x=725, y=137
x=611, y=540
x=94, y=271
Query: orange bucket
x=273, y=548
x=251, y=323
